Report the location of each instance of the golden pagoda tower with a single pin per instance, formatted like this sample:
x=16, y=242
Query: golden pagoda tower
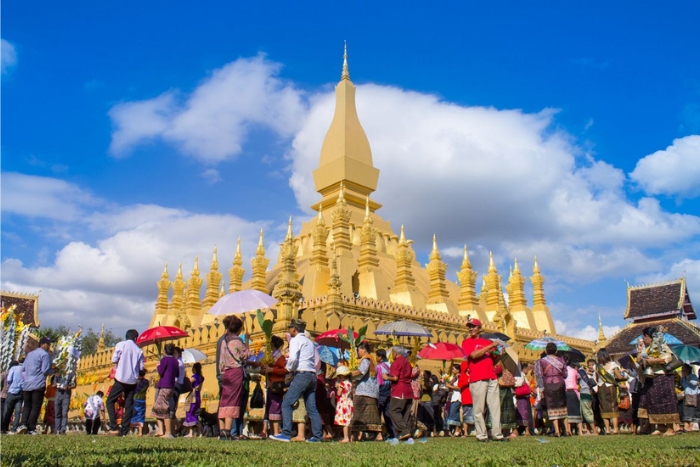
x=101, y=341
x=346, y=155
x=342, y=243
x=213, y=280
x=316, y=280
x=517, y=303
x=492, y=280
x=601, y=334
x=236, y=272
x=259, y=264
x=405, y=291
x=540, y=310
x=288, y=289
x=161, y=311
x=372, y=282
x=193, y=304
x=438, y=297
x=468, y=304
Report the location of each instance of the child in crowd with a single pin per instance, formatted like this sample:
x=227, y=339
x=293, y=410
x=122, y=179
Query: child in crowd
x=94, y=410
x=344, y=407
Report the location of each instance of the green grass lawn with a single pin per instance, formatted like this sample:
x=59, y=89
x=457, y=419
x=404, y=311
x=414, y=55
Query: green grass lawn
x=82, y=450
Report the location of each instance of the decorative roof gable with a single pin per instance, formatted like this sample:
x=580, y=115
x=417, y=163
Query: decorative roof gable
x=667, y=299
x=27, y=306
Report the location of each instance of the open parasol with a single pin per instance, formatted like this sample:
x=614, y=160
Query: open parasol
x=332, y=338
x=541, y=344
x=495, y=335
x=687, y=353
x=158, y=335
x=441, y=351
x=403, y=328
x=574, y=355
x=510, y=360
x=193, y=356
x=669, y=338
x=242, y=302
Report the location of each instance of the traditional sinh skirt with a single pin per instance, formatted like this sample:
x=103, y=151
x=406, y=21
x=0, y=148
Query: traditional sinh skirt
x=507, y=408
x=366, y=414
x=162, y=403
x=607, y=398
x=231, y=390
x=587, y=408
x=191, y=418
x=555, y=400
x=657, y=400
x=573, y=407
x=689, y=414
x=273, y=406
x=523, y=411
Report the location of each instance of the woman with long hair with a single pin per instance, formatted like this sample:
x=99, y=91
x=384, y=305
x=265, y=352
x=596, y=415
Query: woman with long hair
x=233, y=356
x=657, y=397
x=191, y=418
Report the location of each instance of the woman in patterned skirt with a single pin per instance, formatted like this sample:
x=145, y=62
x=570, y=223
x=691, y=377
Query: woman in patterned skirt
x=195, y=398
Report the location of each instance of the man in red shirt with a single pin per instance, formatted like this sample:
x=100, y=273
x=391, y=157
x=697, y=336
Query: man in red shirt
x=483, y=383
x=401, y=392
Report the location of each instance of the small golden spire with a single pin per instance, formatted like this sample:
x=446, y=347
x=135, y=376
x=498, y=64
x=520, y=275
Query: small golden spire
x=516, y=269
x=346, y=72
x=238, y=250
x=341, y=194
x=215, y=260
x=165, y=271
x=319, y=219
x=536, y=267
x=196, y=264
x=466, y=264
x=492, y=267
x=367, y=216
x=260, y=251
x=179, y=271
x=402, y=237
x=601, y=334
x=290, y=235
x=222, y=292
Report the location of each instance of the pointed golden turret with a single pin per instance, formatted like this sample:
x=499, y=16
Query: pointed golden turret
x=493, y=285
x=177, y=305
x=342, y=243
x=438, y=297
x=316, y=280
x=346, y=155
x=236, y=272
x=516, y=299
x=540, y=310
x=213, y=280
x=334, y=283
x=372, y=281
x=193, y=304
x=346, y=72
x=405, y=291
x=601, y=333
x=222, y=292
x=101, y=341
x=288, y=289
x=163, y=288
x=259, y=265
x=468, y=303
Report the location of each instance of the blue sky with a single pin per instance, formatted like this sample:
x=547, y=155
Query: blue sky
x=139, y=133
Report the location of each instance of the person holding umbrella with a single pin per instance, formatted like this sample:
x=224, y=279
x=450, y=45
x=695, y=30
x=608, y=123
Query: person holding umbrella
x=129, y=361
x=483, y=383
x=232, y=360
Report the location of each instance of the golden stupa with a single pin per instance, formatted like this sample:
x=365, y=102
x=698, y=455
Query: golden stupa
x=348, y=267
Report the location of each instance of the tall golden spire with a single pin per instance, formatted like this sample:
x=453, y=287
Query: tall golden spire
x=316, y=278
x=540, y=310
x=493, y=280
x=346, y=72
x=213, y=280
x=236, y=272
x=177, y=305
x=163, y=288
x=601, y=334
x=438, y=297
x=193, y=304
x=345, y=154
x=287, y=290
x=517, y=303
x=467, y=281
x=404, y=264
x=259, y=265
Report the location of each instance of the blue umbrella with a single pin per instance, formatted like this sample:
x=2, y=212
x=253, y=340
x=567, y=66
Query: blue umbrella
x=669, y=338
x=331, y=355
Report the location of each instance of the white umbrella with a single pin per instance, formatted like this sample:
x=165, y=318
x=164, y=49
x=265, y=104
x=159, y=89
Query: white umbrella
x=404, y=328
x=193, y=356
x=241, y=302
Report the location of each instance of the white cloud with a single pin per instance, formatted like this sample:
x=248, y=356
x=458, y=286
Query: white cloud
x=212, y=176
x=588, y=332
x=212, y=123
x=9, y=56
x=690, y=268
x=674, y=171
x=52, y=198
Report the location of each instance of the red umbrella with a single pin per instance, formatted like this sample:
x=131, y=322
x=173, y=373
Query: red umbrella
x=331, y=339
x=159, y=334
x=441, y=351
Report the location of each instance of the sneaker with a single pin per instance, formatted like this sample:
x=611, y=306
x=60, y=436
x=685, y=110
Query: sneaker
x=392, y=441
x=314, y=439
x=501, y=440
x=33, y=433
x=408, y=441
x=280, y=437
x=482, y=440
x=21, y=430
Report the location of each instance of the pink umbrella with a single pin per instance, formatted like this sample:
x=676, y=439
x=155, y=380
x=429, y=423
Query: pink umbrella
x=241, y=302
x=441, y=351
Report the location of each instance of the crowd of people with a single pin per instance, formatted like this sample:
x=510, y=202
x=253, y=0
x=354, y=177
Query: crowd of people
x=386, y=397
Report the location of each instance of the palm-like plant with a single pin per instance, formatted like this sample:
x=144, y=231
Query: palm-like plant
x=354, y=342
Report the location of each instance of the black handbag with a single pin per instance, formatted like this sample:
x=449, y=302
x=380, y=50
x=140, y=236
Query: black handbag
x=257, y=400
x=673, y=365
x=278, y=387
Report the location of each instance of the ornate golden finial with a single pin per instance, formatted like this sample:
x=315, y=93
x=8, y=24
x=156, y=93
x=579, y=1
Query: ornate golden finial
x=215, y=261
x=165, y=271
x=516, y=269
x=536, y=267
x=101, y=341
x=290, y=235
x=367, y=216
x=319, y=219
x=222, y=292
x=466, y=264
x=236, y=272
x=238, y=251
x=601, y=334
x=341, y=194
x=492, y=267
x=435, y=253
x=402, y=237
x=346, y=72
x=196, y=265
x=261, y=244
x=179, y=272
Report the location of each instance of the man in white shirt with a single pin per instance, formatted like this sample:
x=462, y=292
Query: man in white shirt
x=301, y=362
x=129, y=360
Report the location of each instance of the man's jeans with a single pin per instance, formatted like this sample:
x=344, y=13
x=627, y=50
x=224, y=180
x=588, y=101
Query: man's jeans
x=62, y=404
x=303, y=385
x=32, y=407
x=11, y=402
x=117, y=389
x=486, y=393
